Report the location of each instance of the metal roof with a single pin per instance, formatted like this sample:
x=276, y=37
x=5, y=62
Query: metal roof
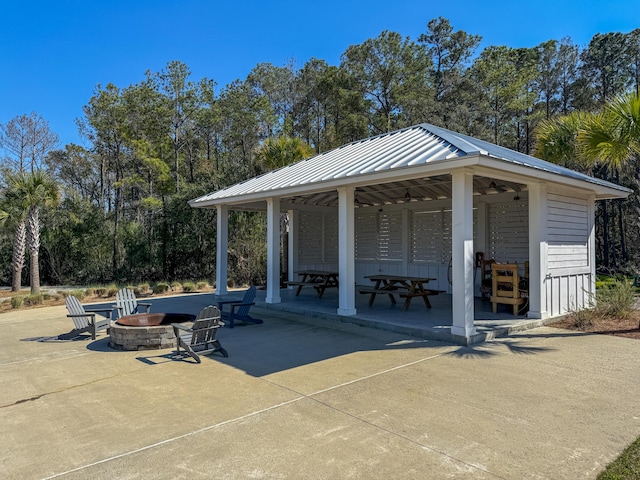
x=411, y=148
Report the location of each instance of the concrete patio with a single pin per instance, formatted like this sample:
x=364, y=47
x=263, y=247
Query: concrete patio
x=428, y=323
x=299, y=398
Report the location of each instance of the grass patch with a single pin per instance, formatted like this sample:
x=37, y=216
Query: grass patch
x=17, y=301
x=626, y=466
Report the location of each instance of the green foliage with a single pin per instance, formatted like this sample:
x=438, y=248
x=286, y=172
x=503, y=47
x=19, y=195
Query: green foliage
x=33, y=299
x=100, y=291
x=189, y=287
x=202, y=285
x=156, y=144
x=161, y=287
x=79, y=294
x=615, y=299
x=175, y=285
x=112, y=290
x=17, y=301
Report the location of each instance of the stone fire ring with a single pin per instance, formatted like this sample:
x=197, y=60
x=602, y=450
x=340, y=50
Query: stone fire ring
x=146, y=331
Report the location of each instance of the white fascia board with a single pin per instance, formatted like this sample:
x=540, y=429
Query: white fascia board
x=430, y=169
x=504, y=170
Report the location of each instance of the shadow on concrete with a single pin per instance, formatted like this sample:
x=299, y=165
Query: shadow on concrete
x=287, y=340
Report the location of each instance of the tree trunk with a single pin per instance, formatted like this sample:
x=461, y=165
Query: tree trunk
x=34, y=248
x=17, y=262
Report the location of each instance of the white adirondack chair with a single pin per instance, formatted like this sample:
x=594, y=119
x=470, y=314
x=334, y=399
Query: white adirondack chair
x=127, y=304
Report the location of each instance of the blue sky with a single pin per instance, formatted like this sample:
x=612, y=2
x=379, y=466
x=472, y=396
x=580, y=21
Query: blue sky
x=54, y=54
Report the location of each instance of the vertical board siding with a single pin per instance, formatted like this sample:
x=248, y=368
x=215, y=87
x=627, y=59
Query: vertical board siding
x=567, y=293
x=568, y=232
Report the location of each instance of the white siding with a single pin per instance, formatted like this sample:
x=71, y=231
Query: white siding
x=568, y=232
x=567, y=292
x=569, y=282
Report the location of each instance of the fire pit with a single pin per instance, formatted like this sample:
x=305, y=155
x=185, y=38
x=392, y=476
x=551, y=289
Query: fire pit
x=146, y=331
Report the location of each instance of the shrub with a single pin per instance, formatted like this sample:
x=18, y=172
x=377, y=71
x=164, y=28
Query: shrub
x=175, y=285
x=188, y=287
x=79, y=294
x=46, y=296
x=616, y=300
x=112, y=290
x=16, y=302
x=101, y=291
x=161, y=287
x=202, y=285
x=33, y=299
x=231, y=282
x=143, y=288
x=90, y=292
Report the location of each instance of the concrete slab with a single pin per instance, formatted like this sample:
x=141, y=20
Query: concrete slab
x=299, y=398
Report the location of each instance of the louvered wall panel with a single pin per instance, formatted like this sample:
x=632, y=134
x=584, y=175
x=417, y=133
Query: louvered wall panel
x=317, y=238
x=330, y=242
x=431, y=236
x=508, y=240
x=366, y=236
x=390, y=236
x=379, y=236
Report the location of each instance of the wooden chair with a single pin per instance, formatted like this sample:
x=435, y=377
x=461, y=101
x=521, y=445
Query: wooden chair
x=200, y=338
x=85, y=321
x=505, y=286
x=239, y=309
x=127, y=304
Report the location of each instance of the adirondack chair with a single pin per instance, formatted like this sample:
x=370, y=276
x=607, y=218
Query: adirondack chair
x=239, y=309
x=200, y=338
x=127, y=304
x=85, y=319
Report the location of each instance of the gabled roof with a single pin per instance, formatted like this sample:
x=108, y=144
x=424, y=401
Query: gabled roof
x=422, y=149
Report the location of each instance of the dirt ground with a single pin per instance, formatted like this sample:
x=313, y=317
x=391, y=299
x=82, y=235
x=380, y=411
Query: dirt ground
x=628, y=327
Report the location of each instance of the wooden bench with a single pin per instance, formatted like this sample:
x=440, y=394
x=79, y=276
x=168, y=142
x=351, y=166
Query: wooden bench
x=424, y=294
x=375, y=291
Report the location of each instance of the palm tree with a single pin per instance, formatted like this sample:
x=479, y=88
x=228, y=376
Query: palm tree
x=37, y=190
x=14, y=218
x=613, y=136
x=276, y=152
x=610, y=138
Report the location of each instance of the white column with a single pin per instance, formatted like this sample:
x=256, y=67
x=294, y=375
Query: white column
x=346, y=251
x=222, y=242
x=537, y=250
x=273, y=250
x=591, y=212
x=293, y=246
x=462, y=253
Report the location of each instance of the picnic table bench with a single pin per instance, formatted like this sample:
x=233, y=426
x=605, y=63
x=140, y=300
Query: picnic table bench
x=318, y=279
x=404, y=286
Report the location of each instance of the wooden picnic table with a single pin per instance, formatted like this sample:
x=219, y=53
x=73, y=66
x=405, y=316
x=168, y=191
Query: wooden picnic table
x=318, y=279
x=405, y=286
